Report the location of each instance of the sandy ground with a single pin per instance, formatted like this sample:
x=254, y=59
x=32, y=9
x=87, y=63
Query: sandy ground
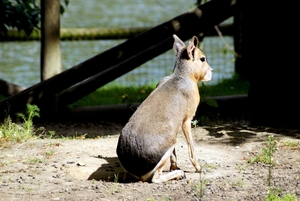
x=83, y=165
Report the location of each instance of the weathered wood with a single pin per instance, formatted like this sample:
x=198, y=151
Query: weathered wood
x=185, y=26
x=93, y=83
x=79, y=91
x=50, y=41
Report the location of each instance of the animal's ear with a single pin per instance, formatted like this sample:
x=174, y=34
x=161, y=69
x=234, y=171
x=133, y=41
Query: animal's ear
x=191, y=47
x=178, y=45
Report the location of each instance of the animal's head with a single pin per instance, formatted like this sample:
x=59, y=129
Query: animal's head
x=191, y=59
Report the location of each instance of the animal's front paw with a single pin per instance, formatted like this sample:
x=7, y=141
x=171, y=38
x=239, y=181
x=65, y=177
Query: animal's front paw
x=197, y=167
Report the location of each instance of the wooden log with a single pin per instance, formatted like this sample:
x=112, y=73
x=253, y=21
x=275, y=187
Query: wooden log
x=185, y=26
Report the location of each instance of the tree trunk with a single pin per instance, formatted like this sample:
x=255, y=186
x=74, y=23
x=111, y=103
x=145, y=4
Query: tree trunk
x=50, y=40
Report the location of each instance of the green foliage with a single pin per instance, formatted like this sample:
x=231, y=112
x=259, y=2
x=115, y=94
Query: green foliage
x=291, y=143
x=62, y=8
x=115, y=95
x=31, y=112
x=266, y=156
x=10, y=131
x=267, y=152
x=22, y=15
x=110, y=95
x=34, y=160
x=116, y=179
x=273, y=195
x=200, y=187
x=19, y=14
x=233, y=86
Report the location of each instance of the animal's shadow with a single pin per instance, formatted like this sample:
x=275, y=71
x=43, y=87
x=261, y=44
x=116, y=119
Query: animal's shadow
x=112, y=171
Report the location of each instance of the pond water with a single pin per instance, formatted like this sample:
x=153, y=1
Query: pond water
x=19, y=61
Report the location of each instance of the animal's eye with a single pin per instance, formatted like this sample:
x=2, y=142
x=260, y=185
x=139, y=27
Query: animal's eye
x=202, y=59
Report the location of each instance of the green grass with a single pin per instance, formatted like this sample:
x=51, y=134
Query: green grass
x=266, y=157
x=109, y=95
x=11, y=131
x=117, y=94
x=273, y=195
x=227, y=87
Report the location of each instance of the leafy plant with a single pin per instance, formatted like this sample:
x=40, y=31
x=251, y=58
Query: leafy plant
x=22, y=15
x=116, y=178
x=10, y=131
x=266, y=156
x=31, y=112
x=34, y=160
x=200, y=186
x=273, y=195
x=19, y=14
x=291, y=143
x=267, y=152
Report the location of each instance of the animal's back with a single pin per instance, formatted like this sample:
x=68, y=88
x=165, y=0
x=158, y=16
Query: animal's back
x=146, y=137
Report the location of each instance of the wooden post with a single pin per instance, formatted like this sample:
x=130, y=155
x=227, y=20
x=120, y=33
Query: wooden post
x=50, y=39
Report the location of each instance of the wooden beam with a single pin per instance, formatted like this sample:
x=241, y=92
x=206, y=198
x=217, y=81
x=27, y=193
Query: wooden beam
x=185, y=26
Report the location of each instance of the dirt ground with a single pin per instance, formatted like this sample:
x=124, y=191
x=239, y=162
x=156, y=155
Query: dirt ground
x=83, y=165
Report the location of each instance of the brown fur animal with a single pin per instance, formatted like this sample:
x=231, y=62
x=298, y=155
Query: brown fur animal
x=148, y=140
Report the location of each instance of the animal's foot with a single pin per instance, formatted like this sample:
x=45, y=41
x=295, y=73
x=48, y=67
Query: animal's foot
x=201, y=170
x=181, y=174
x=176, y=174
x=197, y=167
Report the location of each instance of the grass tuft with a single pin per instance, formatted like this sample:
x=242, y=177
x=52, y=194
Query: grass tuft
x=10, y=131
x=116, y=94
x=266, y=157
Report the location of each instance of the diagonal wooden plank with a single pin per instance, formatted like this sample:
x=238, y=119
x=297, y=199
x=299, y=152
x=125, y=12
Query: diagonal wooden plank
x=185, y=25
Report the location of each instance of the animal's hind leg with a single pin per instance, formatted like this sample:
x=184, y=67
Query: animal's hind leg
x=159, y=176
x=173, y=161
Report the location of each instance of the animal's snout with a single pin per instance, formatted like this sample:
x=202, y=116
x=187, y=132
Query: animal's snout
x=208, y=75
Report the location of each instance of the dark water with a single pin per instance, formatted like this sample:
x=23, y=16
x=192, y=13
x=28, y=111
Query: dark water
x=19, y=61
